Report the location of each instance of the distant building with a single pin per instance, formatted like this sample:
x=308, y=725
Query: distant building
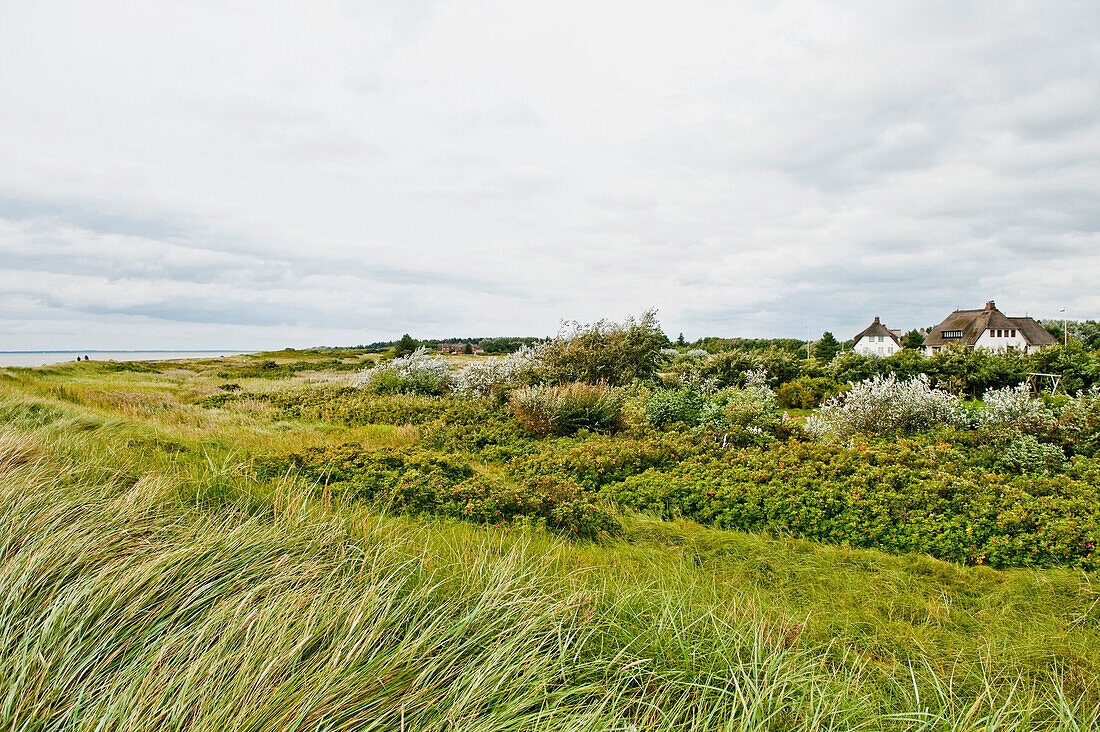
x=988, y=328
x=466, y=348
x=877, y=340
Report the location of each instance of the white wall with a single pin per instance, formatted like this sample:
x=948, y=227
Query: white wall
x=876, y=346
x=1004, y=342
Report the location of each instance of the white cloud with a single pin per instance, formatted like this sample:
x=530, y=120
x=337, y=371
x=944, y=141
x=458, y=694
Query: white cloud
x=297, y=173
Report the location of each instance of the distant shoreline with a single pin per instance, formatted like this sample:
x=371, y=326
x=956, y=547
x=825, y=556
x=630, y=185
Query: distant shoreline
x=36, y=359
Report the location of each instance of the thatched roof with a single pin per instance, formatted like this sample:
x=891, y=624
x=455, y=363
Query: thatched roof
x=877, y=329
x=970, y=324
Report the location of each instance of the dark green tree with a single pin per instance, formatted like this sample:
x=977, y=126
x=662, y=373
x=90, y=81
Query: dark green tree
x=680, y=341
x=405, y=346
x=912, y=339
x=826, y=348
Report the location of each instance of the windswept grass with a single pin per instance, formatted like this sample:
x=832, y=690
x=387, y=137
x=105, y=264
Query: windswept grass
x=148, y=581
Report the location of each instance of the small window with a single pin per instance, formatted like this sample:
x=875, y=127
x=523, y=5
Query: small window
x=1013, y=333
x=952, y=334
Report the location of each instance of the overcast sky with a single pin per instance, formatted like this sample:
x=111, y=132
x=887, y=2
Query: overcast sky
x=230, y=174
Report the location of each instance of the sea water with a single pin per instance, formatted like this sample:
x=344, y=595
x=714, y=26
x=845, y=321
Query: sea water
x=48, y=358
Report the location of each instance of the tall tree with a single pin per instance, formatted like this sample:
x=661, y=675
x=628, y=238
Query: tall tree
x=826, y=348
x=405, y=346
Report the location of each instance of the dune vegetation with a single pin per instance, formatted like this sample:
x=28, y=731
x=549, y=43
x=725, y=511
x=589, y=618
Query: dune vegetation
x=278, y=542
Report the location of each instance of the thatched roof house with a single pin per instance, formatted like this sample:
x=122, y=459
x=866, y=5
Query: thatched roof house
x=988, y=328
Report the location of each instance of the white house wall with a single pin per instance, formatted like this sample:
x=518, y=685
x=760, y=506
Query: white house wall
x=1002, y=343
x=876, y=346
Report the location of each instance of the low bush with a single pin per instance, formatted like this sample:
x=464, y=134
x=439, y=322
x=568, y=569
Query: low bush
x=493, y=377
x=565, y=409
x=898, y=495
x=883, y=404
x=423, y=482
x=1077, y=428
x=804, y=392
x=349, y=405
x=666, y=406
x=1026, y=454
x=1013, y=405
x=599, y=460
x=750, y=413
x=421, y=372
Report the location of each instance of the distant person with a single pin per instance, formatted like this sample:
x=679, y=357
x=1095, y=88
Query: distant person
x=85, y=358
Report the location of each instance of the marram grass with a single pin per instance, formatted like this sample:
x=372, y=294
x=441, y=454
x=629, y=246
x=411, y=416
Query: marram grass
x=122, y=608
x=147, y=583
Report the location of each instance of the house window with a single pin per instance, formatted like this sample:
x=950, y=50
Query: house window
x=952, y=334
x=1012, y=333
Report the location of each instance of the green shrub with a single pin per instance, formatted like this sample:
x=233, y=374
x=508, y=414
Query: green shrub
x=804, y=392
x=666, y=406
x=565, y=409
x=1026, y=454
x=422, y=482
x=751, y=413
x=606, y=352
x=897, y=495
x=723, y=369
x=599, y=460
x=583, y=518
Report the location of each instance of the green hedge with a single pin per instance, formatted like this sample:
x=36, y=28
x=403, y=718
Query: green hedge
x=417, y=481
x=900, y=496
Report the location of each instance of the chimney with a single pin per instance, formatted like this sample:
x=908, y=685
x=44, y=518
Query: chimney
x=990, y=305
x=876, y=320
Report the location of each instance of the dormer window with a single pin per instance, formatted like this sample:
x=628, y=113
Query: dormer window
x=951, y=334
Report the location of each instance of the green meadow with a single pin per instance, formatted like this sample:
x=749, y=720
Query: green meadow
x=257, y=543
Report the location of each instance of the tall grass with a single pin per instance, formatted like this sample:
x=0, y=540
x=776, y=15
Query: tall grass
x=193, y=603
x=147, y=582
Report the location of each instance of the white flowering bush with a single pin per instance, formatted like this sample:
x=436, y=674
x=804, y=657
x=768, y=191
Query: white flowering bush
x=1013, y=405
x=752, y=409
x=885, y=404
x=488, y=377
x=1026, y=454
x=421, y=372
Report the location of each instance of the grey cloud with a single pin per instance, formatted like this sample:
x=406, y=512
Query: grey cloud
x=99, y=216
x=408, y=165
